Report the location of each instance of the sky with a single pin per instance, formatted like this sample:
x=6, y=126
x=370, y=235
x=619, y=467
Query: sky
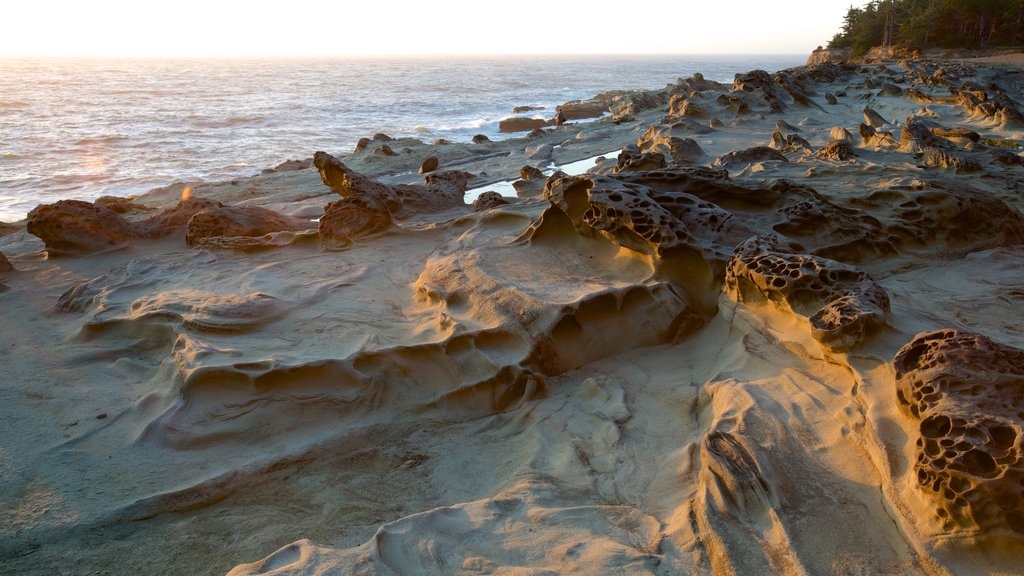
x=263, y=28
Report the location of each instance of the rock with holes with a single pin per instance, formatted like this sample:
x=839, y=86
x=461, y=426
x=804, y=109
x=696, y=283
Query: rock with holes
x=845, y=306
x=967, y=394
x=632, y=160
x=175, y=219
x=351, y=219
x=73, y=227
x=643, y=218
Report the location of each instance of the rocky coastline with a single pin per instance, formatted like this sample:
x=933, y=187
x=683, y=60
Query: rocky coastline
x=764, y=327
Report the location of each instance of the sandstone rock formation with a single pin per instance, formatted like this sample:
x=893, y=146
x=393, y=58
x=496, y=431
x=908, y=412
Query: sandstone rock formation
x=740, y=158
x=521, y=124
x=488, y=200
x=244, y=221
x=844, y=305
x=71, y=227
x=967, y=393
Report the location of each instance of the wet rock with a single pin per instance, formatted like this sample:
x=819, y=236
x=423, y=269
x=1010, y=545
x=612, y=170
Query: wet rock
x=5, y=264
x=441, y=142
x=381, y=137
x=522, y=124
x=363, y=144
x=384, y=150
x=429, y=165
x=247, y=221
x=480, y=139
x=965, y=391
x=521, y=109
x=582, y=109
x=845, y=306
x=831, y=98
x=740, y=158
x=488, y=200
x=73, y=227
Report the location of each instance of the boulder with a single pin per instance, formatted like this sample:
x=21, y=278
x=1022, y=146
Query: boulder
x=837, y=150
x=120, y=205
x=521, y=109
x=350, y=219
x=522, y=124
x=174, y=219
x=247, y=221
x=363, y=144
x=429, y=165
x=381, y=137
x=293, y=165
x=480, y=139
x=740, y=158
x=582, y=109
x=874, y=119
x=539, y=152
x=73, y=227
x=667, y=140
x=443, y=190
x=839, y=133
x=384, y=150
x=488, y=200
x=831, y=98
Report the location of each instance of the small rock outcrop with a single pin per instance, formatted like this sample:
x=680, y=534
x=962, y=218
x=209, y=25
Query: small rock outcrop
x=740, y=158
x=429, y=165
x=243, y=221
x=488, y=200
x=522, y=124
x=74, y=227
x=5, y=264
x=844, y=305
x=966, y=391
x=677, y=149
x=837, y=150
x=350, y=219
x=582, y=109
x=480, y=139
x=443, y=190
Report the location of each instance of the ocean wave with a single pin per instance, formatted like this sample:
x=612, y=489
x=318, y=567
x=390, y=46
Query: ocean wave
x=230, y=122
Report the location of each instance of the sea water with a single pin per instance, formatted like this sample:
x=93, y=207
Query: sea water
x=87, y=128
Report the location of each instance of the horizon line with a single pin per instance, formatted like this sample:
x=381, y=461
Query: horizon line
x=381, y=55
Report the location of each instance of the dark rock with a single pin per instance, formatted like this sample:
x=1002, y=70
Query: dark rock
x=73, y=227
x=488, y=200
x=480, y=139
x=522, y=124
x=429, y=165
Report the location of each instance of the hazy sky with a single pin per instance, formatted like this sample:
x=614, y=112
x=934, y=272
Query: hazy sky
x=141, y=28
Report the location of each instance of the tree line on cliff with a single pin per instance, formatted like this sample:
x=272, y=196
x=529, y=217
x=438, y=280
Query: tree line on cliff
x=932, y=24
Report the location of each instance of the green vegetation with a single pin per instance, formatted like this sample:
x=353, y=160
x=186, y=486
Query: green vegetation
x=932, y=24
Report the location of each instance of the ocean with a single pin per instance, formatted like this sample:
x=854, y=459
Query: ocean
x=88, y=128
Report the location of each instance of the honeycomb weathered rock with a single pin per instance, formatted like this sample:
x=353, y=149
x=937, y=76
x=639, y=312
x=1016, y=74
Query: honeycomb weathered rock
x=843, y=303
x=967, y=393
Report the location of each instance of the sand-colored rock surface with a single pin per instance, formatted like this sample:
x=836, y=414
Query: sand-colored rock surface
x=723, y=329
